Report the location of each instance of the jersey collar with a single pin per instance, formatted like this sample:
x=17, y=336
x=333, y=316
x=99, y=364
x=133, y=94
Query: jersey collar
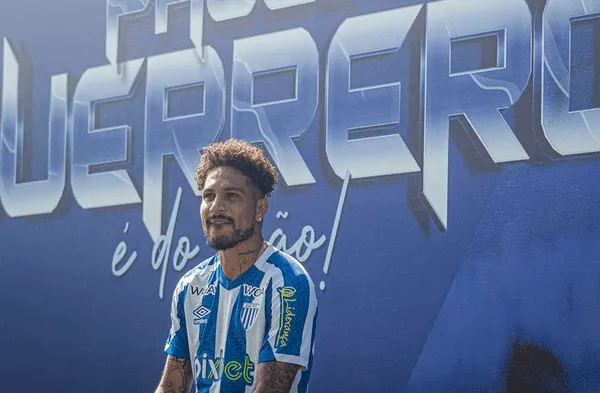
x=258, y=265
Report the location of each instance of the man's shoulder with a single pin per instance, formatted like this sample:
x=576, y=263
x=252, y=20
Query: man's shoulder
x=289, y=266
x=290, y=279
x=201, y=271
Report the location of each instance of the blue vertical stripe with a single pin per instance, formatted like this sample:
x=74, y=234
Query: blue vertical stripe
x=303, y=385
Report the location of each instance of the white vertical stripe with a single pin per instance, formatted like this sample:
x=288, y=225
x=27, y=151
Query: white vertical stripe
x=277, y=277
x=294, y=388
x=226, y=302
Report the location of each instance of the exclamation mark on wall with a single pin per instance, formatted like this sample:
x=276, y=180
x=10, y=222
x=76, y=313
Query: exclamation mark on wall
x=334, y=229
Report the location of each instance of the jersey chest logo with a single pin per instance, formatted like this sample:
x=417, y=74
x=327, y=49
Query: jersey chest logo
x=200, y=291
x=252, y=291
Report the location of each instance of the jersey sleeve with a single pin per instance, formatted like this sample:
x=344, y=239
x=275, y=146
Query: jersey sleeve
x=177, y=341
x=291, y=310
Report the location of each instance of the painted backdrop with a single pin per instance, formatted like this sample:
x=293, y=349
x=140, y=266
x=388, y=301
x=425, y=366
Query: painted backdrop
x=439, y=180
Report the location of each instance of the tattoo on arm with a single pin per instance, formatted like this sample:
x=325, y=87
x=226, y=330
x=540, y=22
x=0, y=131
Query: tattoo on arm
x=177, y=376
x=275, y=377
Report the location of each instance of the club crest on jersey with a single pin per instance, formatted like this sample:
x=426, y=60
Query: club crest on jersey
x=249, y=314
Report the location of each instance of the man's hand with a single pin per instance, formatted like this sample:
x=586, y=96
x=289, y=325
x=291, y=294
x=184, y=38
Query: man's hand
x=177, y=376
x=275, y=377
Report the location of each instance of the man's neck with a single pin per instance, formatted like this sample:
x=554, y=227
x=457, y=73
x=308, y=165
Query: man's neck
x=240, y=258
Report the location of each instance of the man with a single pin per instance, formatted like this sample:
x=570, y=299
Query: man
x=243, y=320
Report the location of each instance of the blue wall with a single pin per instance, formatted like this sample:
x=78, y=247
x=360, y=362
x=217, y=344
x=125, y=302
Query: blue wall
x=438, y=166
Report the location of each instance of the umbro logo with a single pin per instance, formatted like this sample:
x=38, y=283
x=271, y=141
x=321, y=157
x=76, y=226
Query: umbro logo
x=201, y=313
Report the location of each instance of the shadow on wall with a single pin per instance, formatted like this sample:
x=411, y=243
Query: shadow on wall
x=532, y=369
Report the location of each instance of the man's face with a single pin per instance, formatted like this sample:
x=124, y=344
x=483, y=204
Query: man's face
x=229, y=208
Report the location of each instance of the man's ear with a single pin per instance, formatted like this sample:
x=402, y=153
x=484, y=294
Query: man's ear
x=261, y=209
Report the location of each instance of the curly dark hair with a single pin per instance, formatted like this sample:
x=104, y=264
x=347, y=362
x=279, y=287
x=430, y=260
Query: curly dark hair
x=246, y=158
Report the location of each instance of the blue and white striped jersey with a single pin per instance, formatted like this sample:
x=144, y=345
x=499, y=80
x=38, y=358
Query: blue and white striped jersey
x=226, y=328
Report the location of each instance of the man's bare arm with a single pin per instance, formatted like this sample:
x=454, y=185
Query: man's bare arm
x=177, y=376
x=275, y=377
